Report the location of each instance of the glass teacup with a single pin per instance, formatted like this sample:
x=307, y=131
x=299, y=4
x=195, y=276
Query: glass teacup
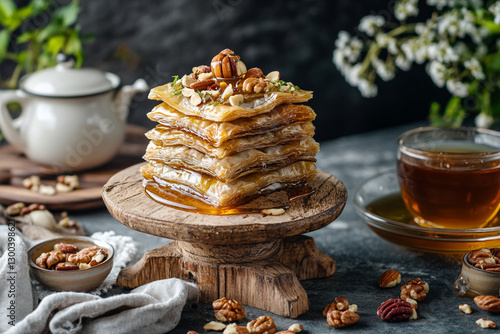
x=450, y=177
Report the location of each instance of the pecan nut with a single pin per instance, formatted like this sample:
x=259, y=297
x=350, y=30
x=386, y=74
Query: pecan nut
x=261, y=325
x=484, y=256
x=415, y=289
x=228, y=310
x=395, y=309
x=224, y=65
x=488, y=303
x=389, y=279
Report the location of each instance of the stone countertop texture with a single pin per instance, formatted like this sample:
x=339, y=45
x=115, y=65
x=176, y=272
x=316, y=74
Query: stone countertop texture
x=360, y=255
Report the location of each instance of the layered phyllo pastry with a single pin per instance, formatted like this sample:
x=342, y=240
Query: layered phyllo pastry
x=226, y=135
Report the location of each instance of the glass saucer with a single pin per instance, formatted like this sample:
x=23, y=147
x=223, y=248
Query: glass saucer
x=378, y=201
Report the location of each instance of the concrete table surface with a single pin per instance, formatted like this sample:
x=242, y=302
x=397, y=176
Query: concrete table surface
x=360, y=255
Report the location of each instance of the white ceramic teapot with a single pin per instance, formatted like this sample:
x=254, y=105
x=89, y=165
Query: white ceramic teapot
x=71, y=119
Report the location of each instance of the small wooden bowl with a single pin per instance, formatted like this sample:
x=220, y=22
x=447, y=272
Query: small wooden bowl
x=73, y=280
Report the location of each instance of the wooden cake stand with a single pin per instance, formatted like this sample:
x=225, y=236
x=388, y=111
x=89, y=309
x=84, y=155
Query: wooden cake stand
x=255, y=259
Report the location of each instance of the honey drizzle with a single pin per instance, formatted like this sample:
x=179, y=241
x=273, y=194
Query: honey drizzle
x=183, y=199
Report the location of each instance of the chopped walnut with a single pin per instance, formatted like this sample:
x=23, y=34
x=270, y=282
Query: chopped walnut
x=486, y=323
x=214, y=326
x=415, y=289
x=69, y=257
x=228, y=310
x=339, y=319
x=50, y=259
x=261, y=325
x=66, y=248
x=87, y=255
x=465, y=308
x=235, y=329
x=32, y=182
x=296, y=328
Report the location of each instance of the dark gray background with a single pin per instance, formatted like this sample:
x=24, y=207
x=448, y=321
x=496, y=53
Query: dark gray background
x=156, y=39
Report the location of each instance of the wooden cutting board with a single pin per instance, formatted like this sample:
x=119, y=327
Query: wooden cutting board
x=15, y=167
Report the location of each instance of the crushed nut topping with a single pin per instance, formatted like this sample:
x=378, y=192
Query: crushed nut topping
x=227, y=75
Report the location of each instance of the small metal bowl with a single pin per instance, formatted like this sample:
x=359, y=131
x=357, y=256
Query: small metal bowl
x=74, y=280
x=474, y=282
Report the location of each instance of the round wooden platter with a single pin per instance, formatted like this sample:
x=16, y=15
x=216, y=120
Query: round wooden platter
x=15, y=166
x=126, y=200
x=241, y=257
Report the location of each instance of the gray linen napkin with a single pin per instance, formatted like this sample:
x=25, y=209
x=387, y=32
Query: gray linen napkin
x=16, y=293
x=152, y=308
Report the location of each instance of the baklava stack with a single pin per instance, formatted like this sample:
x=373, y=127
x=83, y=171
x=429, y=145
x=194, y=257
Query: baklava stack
x=227, y=134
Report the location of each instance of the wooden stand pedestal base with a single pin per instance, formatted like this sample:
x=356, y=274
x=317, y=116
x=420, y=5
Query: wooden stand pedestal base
x=255, y=259
x=263, y=275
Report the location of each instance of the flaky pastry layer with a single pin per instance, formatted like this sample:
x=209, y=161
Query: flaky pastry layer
x=254, y=104
x=236, y=165
x=217, y=133
x=165, y=136
x=219, y=193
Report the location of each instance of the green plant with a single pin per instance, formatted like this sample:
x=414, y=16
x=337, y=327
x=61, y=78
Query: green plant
x=33, y=35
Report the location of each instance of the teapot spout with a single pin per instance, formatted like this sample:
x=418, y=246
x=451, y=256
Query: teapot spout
x=124, y=97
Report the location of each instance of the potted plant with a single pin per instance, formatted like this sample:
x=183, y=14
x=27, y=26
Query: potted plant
x=459, y=43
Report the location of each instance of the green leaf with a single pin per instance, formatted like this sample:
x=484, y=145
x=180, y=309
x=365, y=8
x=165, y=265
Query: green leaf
x=454, y=114
x=25, y=37
x=55, y=44
x=7, y=9
x=39, y=6
x=53, y=28
x=67, y=14
x=4, y=43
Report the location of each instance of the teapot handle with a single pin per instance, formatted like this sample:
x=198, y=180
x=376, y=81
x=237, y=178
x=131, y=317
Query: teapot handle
x=11, y=128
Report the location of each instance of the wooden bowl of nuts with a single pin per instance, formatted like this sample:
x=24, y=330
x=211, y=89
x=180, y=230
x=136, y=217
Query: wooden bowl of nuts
x=71, y=263
x=480, y=273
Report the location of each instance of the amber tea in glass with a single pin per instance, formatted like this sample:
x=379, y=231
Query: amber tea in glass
x=450, y=177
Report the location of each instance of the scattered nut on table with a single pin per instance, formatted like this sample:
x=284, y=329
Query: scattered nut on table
x=32, y=182
x=273, y=212
x=486, y=323
x=465, y=308
x=30, y=208
x=228, y=310
x=296, y=328
x=15, y=209
x=396, y=309
x=338, y=313
x=389, y=279
x=214, y=326
x=235, y=329
x=488, y=303
x=261, y=325
x=415, y=289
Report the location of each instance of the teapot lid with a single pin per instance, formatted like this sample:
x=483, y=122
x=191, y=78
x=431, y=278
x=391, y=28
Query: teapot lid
x=65, y=81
